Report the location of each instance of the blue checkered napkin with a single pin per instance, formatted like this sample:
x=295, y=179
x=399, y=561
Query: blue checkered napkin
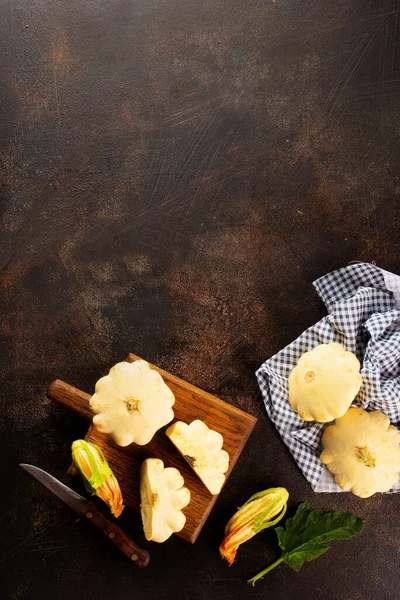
x=363, y=303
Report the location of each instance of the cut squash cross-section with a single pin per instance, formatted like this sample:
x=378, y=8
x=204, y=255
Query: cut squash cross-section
x=162, y=498
x=201, y=447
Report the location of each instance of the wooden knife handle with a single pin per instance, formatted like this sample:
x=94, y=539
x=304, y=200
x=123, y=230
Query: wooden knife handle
x=71, y=397
x=137, y=555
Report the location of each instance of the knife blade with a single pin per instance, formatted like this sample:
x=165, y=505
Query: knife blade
x=88, y=509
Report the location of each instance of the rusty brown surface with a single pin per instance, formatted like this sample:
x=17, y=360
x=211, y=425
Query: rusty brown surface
x=174, y=174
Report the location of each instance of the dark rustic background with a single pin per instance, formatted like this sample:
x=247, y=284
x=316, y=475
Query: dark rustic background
x=174, y=175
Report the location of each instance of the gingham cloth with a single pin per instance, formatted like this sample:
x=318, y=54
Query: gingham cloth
x=363, y=303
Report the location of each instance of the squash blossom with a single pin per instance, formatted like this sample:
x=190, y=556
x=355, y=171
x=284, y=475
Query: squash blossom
x=261, y=511
x=98, y=478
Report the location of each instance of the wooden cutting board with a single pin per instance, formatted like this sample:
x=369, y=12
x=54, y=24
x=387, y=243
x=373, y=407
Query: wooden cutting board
x=190, y=403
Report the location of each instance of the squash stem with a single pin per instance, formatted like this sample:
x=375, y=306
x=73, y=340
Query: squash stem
x=265, y=571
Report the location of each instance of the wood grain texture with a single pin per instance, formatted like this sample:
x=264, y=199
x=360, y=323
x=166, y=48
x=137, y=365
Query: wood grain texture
x=71, y=397
x=190, y=403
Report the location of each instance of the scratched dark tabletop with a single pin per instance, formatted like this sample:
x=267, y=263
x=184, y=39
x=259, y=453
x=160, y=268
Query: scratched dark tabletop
x=174, y=175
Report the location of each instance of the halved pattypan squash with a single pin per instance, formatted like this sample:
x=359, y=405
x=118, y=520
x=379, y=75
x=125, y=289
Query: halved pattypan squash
x=162, y=498
x=201, y=447
x=362, y=450
x=324, y=383
x=131, y=403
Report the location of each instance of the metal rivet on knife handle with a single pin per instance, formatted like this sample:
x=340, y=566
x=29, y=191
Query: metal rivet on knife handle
x=117, y=536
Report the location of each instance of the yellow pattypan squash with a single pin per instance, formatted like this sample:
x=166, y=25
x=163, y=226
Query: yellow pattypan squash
x=324, y=383
x=162, y=497
x=362, y=450
x=131, y=403
x=201, y=447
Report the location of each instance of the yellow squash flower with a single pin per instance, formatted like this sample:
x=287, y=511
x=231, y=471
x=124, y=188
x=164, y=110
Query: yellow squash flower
x=261, y=511
x=98, y=478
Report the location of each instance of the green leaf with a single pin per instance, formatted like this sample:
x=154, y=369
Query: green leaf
x=295, y=527
x=306, y=535
x=297, y=559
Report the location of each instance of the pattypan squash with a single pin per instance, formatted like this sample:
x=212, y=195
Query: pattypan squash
x=131, y=403
x=324, y=383
x=362, y=450
x=201, y=447
x=162, y=496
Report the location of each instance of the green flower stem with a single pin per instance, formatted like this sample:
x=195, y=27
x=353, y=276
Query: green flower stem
x=265, y=571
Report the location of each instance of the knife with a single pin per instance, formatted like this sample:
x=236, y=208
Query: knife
x=87, y=508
